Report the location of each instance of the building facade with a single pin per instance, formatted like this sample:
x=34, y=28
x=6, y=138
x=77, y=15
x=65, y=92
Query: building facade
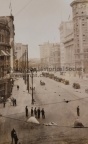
x=34, y=63
x=50, y=55
x=65, y=29
x=80, y=22
x=21, y=56
x=69, y=54
x=5, y=61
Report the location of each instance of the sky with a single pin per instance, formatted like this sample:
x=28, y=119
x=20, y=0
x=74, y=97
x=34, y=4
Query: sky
x=37, y=21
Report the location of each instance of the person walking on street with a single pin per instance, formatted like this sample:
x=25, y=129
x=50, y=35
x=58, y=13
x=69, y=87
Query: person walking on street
x=26, y=110
x=78, y=111
x=4, y=103
x=15, y=138
x=35, y=112
x=12, y=134
x=17, y=87
x=38, y=111
x=32, y=111
x=43, y=113
x=15, y=102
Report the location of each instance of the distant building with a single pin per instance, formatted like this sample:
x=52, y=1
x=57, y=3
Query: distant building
x=69, y=53
x=6, y=49
x=50, y=55
x=34, y=63
x=21, y=56
x=80, y=22
x=65, y=29
x=12, y=34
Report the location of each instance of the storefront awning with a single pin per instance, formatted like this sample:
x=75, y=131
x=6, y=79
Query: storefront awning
x=7, y=53
x=3, y=53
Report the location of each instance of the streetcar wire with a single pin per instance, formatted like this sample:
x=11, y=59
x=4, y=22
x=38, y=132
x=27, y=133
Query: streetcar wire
x=16, y=14
x=23, y=7
x=63, y=126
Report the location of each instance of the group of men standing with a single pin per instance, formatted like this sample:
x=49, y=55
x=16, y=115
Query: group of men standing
x=36, y=112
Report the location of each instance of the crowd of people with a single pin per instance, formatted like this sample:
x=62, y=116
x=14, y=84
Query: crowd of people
x=36, y=112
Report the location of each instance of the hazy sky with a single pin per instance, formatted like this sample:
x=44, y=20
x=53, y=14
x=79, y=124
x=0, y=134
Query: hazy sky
x=38, y=22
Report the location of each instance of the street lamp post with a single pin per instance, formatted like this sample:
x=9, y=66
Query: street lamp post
x=32, y=89
x=32, y=84
x=27, y=73
x=25, y=66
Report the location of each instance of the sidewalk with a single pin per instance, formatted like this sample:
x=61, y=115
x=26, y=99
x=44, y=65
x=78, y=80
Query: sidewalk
x=22, y=97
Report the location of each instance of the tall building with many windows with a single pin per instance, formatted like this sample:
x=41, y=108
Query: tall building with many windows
x=21, y=56
x=50, y=55
x=5, y=56
x=80, y=24
x=65, y=29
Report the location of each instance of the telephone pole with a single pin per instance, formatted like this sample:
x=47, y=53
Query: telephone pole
x=32, y=84
x=32, y=89
x=27, y=72
x=25, y=67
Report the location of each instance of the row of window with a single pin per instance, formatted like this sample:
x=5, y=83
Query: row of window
x=78, y=50
x=4, y=39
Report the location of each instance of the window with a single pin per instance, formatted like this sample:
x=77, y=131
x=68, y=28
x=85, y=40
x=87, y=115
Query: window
x=78, y=50
x=0, y=37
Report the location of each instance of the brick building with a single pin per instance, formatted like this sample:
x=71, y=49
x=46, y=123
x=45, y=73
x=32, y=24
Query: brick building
x=5, y=57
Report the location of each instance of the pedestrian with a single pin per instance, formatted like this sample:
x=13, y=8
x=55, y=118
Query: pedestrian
x=38, y=111
x=43, y=113
x=35, y=112
x=17, y=87
x=32, y=111
x=15, y=103
x=4, y=104
x=12, y=134
x=78, y=111
x=15, y=138
x=26, y=110
x=13, y=100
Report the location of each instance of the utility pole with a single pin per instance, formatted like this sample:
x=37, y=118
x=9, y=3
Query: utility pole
x=27, y=73
x=32, y=89
x=25, y=66
x=32, y=84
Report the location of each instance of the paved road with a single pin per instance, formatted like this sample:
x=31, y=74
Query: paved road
x=64, y=114
x=50, y=97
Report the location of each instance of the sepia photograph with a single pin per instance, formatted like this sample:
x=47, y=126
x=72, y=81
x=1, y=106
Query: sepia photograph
x=43, y=71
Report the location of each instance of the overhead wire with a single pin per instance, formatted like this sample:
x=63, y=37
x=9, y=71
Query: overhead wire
x=20, y=120
x=23, y=7
x=20, y=9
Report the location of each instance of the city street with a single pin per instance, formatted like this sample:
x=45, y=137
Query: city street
x=52, y=98
x=44, y=72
